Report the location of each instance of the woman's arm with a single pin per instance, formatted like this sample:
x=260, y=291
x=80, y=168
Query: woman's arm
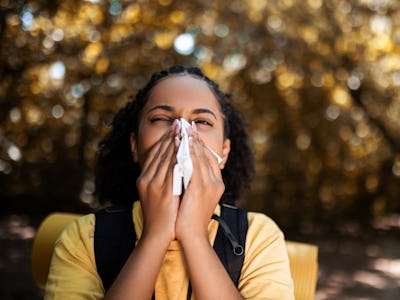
x=139, y=274
x=208, y=276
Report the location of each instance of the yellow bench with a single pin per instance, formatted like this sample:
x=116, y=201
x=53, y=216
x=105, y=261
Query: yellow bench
x=303, y=257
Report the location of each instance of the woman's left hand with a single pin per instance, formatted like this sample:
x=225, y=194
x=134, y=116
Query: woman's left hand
x=191, y=228
x=202, y=194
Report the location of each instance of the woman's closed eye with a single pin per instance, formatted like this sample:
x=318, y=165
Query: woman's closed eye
x=161, y=119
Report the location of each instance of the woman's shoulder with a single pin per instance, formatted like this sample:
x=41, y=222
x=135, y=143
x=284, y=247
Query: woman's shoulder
x=265, y=271
x=81, y=228
x=262, y=226
x=262, y=220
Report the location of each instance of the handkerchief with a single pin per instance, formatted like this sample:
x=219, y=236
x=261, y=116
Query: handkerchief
x=184, y=167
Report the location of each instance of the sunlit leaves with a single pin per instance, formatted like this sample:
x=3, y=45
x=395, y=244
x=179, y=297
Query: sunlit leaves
x=317, y=80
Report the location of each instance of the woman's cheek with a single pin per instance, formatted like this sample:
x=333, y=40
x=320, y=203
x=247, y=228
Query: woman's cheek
x=212, y=140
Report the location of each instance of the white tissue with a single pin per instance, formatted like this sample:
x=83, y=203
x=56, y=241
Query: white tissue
x=184, y=167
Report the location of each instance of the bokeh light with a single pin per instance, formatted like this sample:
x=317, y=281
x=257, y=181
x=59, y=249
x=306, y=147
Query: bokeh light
x=57, y=70
x=321, y=94
x=184, y=44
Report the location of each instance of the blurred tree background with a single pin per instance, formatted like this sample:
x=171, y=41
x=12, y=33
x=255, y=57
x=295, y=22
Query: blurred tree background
x=318, y=82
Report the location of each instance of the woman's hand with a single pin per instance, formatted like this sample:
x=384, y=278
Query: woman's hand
x=154, y=184
x=137, y=278
x=202, y=194
x=196, y=208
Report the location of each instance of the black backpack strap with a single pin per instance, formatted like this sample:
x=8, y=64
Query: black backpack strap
x=114, y=240
x=230, y=242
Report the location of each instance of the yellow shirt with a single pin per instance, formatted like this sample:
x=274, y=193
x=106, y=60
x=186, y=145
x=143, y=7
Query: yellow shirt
x=265, y=273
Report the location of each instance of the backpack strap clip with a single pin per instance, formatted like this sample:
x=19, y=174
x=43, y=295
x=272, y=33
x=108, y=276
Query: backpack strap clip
x=236, y=247
x=231, y=239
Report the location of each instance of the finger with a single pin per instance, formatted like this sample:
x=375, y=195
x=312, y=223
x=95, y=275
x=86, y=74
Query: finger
x=167, y=159
x=152, y=161
x=152, y=167
x=201, y=162
x=213, y=161
x=207, y=149
x=154, y=150
x=212, y=157
x=169, y=171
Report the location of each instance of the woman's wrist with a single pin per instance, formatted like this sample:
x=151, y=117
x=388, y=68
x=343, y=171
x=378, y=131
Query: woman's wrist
x=193, y=238
x=156, y=238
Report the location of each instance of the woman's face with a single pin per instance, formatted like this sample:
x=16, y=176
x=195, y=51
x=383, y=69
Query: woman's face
x=180, y=96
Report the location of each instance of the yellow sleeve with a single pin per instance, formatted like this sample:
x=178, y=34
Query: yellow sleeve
x=266, y=271
x=73, y=273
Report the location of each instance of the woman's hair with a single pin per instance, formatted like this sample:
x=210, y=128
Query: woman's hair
x=116, y=172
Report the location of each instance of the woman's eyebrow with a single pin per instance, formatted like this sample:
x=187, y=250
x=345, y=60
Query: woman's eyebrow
x=163, y=107
x=171, y=109
x=204, y=110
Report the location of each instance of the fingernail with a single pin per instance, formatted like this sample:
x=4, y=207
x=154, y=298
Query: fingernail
x=190, y=141
x=173, y=126
x=178, y=127
x=177, y=141
x=189, y=130
x=194, y=126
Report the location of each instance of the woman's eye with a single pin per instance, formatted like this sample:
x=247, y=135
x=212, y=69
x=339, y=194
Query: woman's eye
x=161, y=119
x=203, y=122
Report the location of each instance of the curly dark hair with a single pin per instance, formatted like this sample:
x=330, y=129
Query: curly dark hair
x=116, y=172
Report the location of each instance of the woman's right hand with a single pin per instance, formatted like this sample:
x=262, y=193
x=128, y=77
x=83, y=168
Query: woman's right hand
x=159, y=206
x=137, y=278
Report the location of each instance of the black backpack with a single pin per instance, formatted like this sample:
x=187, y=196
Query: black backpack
x=114, y=240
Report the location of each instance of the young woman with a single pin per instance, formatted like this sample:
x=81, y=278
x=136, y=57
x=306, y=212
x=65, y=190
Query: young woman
x=174, y=233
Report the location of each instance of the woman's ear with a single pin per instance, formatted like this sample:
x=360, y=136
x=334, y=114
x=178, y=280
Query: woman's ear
x=134, y=148
x=226, y=148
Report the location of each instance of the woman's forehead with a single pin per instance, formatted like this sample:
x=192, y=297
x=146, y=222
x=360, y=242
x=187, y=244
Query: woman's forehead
x=183, y=91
